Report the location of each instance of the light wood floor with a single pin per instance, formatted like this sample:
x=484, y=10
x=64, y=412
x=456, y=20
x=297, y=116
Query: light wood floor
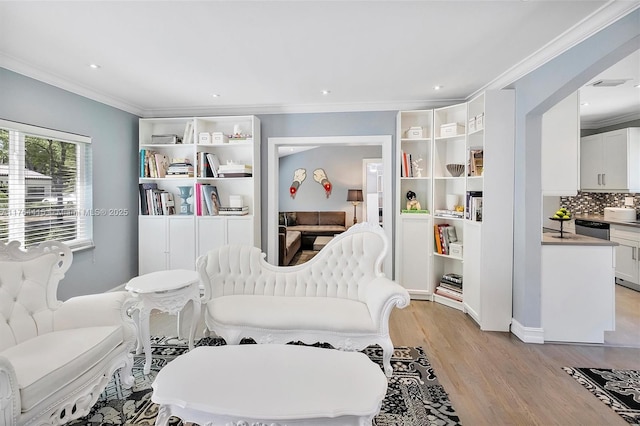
x=494, y=378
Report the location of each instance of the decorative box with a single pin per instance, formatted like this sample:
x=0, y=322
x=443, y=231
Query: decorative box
x=204, y=138
x=235, y=200
x=480, y=121
x=219, y=137
x=165, y=139
x=455, y=249
x=451, y=129
x=414, y=133
x=472, y=124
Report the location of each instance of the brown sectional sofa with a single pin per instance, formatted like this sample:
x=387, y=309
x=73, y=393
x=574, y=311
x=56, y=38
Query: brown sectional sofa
x=309, y=225
x=289, y=244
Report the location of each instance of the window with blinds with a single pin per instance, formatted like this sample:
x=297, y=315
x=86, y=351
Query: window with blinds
x=45, y=186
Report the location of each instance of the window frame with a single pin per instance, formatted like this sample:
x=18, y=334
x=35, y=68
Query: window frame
x=84, y=175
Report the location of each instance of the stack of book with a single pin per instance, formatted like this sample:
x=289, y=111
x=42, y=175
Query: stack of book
x=208, y=164
x=449, y=213
x=235, y=170
x=177, y=170
x=450, y=286
x=234, y=211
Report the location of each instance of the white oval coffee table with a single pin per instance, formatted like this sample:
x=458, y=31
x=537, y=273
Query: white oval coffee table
x=270, y=383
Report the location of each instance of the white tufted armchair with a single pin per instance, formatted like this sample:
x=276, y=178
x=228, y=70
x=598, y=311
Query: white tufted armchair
x=55, y=358
x=340, y=297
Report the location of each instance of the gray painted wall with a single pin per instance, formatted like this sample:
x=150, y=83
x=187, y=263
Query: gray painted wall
x=535, y=94
x=315, y=125
x=343, y=166
x=114, y=134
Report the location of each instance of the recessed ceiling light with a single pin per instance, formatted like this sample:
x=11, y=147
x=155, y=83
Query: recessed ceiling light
x=584, y=104
x=637, y=86
x=437, y=87
x=326, y=92
x=94, y=66
x=215, y=95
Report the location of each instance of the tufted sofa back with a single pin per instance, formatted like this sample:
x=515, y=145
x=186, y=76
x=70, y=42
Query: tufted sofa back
x=343, y=269
x=28, y=285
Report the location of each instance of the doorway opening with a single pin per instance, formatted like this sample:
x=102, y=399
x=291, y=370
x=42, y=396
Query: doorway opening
x=273, y=184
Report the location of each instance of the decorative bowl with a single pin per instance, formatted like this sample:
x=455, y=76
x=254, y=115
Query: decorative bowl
x=456, y=170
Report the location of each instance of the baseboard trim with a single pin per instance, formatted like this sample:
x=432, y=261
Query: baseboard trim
x=420, y=295
x=118, y=288
x=527, y=334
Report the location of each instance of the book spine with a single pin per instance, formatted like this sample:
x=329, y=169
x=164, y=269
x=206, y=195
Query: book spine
x=436, y=235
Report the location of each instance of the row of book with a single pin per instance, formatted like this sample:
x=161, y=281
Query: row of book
x=444, y=234
x=208, y=203
x=406, y=165
x=450, y=286
x=154, y=201
x=473, y=206
x=154, y=164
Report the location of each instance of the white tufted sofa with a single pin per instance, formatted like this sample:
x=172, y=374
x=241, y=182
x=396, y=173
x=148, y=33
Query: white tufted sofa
x=55, y=357
x=340, y=297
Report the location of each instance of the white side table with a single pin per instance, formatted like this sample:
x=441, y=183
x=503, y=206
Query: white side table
x=168, y=291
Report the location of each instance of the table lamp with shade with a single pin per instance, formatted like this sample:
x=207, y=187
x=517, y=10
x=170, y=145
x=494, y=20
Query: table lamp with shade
x=355, y=197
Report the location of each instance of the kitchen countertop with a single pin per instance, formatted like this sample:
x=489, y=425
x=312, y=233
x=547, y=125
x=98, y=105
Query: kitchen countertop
x=600, y=218
x=552, y=238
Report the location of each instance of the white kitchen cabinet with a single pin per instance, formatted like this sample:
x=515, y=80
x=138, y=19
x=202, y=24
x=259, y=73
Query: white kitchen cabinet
x=165, y=242
x=627, y=254
x=560, y=143
x=609, y=161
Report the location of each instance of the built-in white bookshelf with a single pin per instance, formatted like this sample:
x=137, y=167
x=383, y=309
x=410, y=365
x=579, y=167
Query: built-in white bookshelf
x=235, y=143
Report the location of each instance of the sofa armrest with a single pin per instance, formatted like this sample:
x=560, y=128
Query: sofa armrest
x=94, y=310
x=381, y=297
x=10, y=405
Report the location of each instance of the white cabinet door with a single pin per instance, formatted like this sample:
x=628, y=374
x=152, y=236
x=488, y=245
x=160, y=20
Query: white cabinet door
x=614, y=154
x=181, y=243
x=152, y=247
x=591, y=162
x=240, y=230
x=211, y=233
x=414, y=272
x=472, y=270
x=627, y=264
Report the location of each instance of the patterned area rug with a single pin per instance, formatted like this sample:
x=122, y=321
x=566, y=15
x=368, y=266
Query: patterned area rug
x=619, y=389
x=414, y=395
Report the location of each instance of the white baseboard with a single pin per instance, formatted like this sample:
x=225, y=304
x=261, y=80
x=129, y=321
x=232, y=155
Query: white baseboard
x=118, y=288
x=420, y=295
x=527, y=334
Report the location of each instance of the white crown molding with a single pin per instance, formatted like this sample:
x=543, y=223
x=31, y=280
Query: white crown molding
x=300, y=108
x=31, y=71
x=598, y=124
x=596, y=21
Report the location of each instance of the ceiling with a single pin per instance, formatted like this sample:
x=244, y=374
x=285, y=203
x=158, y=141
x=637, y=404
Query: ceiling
x=162, y=58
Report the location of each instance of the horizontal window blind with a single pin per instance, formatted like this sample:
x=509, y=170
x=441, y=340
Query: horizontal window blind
x=45, y=186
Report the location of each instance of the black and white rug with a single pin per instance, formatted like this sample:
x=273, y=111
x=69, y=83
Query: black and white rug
x=619, y=389
x=414, y=395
